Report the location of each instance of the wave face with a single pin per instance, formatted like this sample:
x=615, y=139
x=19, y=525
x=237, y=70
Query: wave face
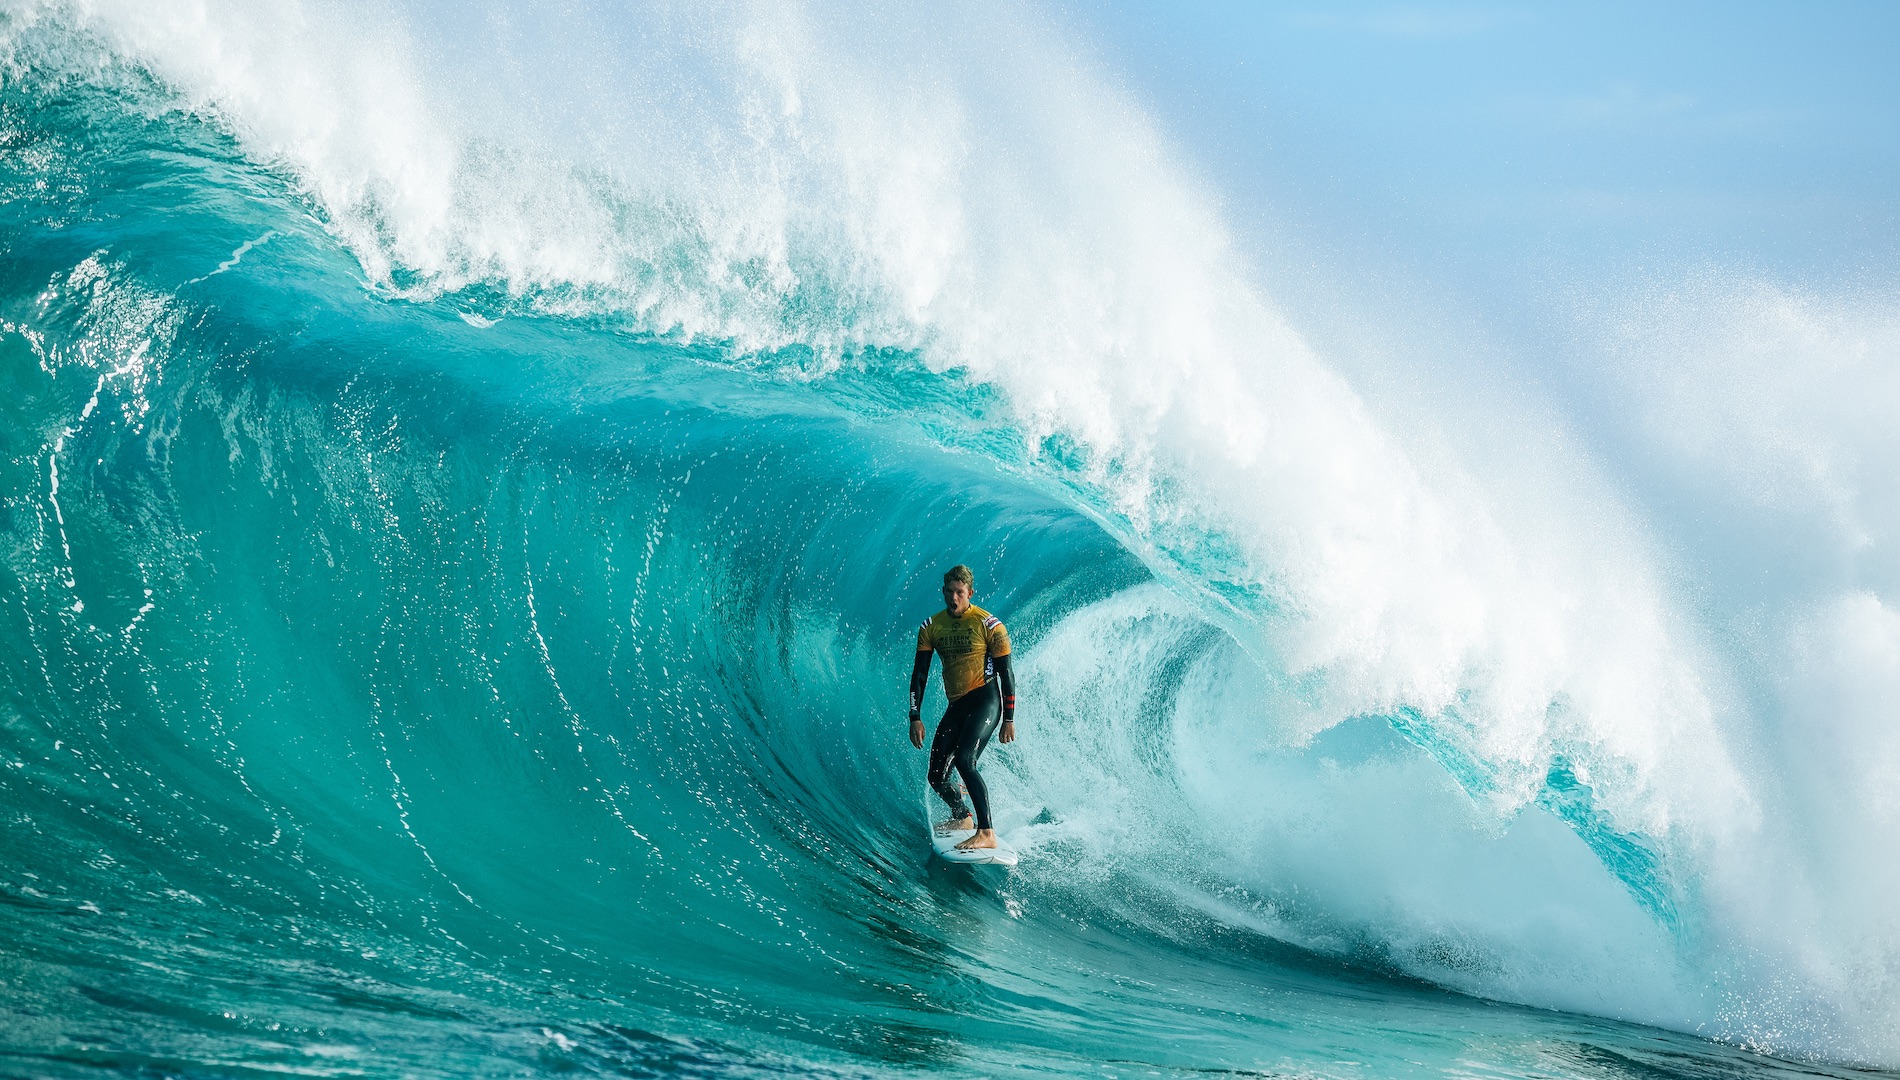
x=470, y=481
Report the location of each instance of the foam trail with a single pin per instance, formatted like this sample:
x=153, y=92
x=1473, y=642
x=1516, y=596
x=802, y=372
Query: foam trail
x=237, y=256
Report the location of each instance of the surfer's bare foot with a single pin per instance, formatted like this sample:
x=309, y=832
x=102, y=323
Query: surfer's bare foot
x=956, y=824
x=984, y=838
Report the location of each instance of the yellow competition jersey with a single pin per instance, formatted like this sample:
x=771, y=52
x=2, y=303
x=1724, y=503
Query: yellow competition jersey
x=965, y=646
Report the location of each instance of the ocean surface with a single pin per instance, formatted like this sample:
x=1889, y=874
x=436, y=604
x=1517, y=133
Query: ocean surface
x=464, y=512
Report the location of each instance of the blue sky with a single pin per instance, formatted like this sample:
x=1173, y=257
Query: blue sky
x=1453, y=199
x=1492, y=144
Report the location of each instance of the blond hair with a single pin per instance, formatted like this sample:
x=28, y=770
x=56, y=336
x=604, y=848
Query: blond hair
x=961, y=575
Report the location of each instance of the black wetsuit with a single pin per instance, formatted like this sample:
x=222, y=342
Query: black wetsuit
x=964, y=732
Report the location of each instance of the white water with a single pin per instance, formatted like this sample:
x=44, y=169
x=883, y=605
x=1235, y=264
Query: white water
x=961, y=184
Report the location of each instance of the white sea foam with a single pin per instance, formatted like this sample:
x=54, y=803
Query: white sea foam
x=1765, y=421
x=957, y=182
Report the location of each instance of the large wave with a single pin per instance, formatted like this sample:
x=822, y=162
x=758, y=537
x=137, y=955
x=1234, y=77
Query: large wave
x=469, y=477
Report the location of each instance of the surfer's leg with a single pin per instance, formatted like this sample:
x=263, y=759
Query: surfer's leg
x=992, y=716
x=979, y=794
x=973, y=734
x=942, y=754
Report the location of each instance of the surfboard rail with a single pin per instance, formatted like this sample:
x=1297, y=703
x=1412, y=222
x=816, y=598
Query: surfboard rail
x=946, y=845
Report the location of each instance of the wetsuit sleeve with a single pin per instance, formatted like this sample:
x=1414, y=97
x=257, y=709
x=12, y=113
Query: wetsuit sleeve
x=997, y=636
x=1008, y=680
x=919, y=678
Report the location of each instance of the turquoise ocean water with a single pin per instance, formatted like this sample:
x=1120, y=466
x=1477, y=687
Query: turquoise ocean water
x=457, y=584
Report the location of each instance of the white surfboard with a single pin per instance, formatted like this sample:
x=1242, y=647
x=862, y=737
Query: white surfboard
x=946, y=845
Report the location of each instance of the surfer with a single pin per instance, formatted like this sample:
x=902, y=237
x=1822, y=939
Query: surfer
x=976, y=678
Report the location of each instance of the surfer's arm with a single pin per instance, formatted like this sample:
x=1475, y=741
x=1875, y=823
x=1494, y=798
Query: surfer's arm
x=997, y=636
x=1008, y=680
x=919, y=678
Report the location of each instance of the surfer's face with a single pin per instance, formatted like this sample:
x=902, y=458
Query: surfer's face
x=956, y=596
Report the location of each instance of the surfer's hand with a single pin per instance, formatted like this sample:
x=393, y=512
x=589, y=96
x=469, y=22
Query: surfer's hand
x=917, y=734
x=1009, y=731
